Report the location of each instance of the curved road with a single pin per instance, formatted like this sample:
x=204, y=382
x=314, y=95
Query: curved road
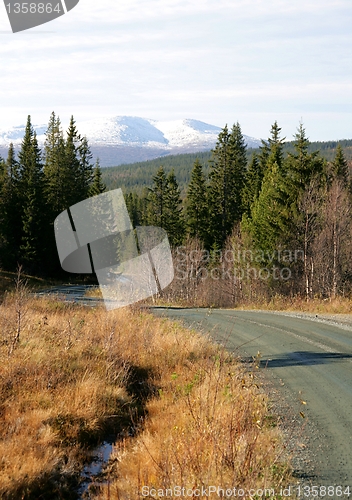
x=310, y=359
x=313, y=359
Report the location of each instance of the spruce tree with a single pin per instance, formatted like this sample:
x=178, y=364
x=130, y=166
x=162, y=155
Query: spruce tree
x=11, y=211
x=302, y=169
x=58, y=187
x=131, y=204
x=227, y=177
x=173, y=220
x=238, y=149
x=86, y=169
x=2, y=178
x=164, y=206
x=197, y=205
x=263, y=156
x=302, y=166
x=58, y=181
x=31, y=192
x=2, y=171
x=276, y=153
x=220, y=206
x=157, y=195
x=340, y=166
x=2, y=211
x=137, y=208
x=253, y=184
x=267, y=223
x=97, y=186
x=77, y=189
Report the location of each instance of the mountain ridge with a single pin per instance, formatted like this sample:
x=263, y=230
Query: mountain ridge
x=127, y=139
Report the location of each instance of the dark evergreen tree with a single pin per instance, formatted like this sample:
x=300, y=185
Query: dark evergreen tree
x=157, y=203
x=267, y=223
x=97, y=186
x=11, y=211
x=58, y=187
x=77, y=188
x=197, y=205
x=68, y=174
x=58, y=180
x=220, y=188
x=86, y=169
x=68, y=167
x=2, y=210
x=131, y=204
x=2, y=171
x=227, y=177
x=173, y=220
x=253, y=184
x=2, y=178
x=340, y=166
x=137, y=208
x=276, y=146
x=302, y=166
x=33, y=242
x=275, y=220
x=263, y=156
x=164, y=206
x=238, y=150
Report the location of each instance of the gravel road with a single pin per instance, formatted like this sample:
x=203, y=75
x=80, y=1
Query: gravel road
x=306, y=362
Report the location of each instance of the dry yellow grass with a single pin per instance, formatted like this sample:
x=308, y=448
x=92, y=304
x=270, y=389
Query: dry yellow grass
x=59, y=387
x=339, y=305
x=77, y=373
x=208, y=425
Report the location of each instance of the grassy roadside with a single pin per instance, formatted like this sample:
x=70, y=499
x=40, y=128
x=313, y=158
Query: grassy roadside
x=8, y=281
x=76, y=374
x=63, y=385
x=339, y=305
x=316, y=305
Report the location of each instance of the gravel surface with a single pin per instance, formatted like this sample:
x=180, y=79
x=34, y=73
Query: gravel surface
x=341, y=320
x=307, y=362
x=298, y=431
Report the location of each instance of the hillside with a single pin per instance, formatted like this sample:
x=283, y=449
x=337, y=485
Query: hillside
x=137, y=176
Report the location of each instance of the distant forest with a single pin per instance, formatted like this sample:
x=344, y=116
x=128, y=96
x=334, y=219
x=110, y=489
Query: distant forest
x=136, y=176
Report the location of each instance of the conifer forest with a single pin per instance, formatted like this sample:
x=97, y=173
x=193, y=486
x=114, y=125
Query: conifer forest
x=249, y=223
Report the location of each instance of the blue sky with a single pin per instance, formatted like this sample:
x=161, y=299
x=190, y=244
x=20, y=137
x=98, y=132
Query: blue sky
x=220, y=62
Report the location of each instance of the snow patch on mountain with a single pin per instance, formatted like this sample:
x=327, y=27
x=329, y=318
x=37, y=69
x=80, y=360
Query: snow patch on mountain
x=180, y=133
x=134, y=131
x=15, y=134
x=127, y=139
x=122, y=130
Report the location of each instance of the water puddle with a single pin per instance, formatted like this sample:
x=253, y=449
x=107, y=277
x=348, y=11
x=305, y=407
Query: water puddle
x=92, y=473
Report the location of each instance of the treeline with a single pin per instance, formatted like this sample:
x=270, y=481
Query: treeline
x=247, y=223
x=136, y=176
x=278, y=223
x=35, y=187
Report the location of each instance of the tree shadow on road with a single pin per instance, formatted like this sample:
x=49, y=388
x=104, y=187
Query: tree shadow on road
x=300, y=358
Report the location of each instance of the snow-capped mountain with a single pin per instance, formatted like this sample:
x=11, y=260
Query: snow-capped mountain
x=125, y=139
